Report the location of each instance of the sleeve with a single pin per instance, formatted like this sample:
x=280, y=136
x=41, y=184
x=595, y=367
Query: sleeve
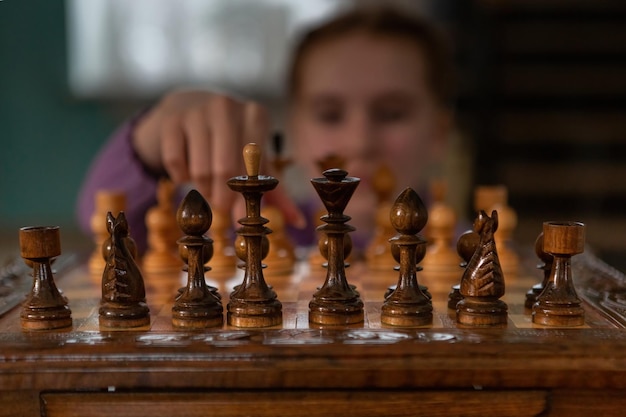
x=117, y=167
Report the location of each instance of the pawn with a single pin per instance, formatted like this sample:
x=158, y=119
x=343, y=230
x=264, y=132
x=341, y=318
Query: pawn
x=281, y=257
x=466, y=247
x=207, y=254
x=44, y=308
x=377, y=253
x=105, y=201
x=162, y=233
x=123, y=303
x=441, y=261
x=196, y=307
x=419, y=255
x=408, y=306
x=224, y=261
x=558, y=304
x=482, y=283
x=546, y=266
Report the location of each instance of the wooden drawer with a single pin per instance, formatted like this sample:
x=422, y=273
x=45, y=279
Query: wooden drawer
x=298, y=403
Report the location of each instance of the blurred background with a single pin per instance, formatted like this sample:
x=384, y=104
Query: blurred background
x=541, y=107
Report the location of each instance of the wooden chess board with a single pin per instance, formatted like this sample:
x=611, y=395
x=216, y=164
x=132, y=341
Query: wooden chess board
x=442, y=369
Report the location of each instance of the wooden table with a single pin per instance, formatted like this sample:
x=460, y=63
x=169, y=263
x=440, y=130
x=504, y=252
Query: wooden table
x=519, y=370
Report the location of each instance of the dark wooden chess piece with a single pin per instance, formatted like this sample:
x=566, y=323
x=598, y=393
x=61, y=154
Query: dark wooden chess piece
x=104, y=201
x=317, y=259
x=253, y=303
x=208, y=250
x=558, y=304
x=280, y=161
x=466, y=247
x=420, y=252
x=408, y=306
x=336, y=302
x=123, y=303
x=44, y=308
x=482, y=283
x=546, y=266
x=196, y=307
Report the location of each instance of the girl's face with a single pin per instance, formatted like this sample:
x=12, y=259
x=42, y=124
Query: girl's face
x=365, y=98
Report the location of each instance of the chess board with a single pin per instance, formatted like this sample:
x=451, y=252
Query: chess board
x=517, y=369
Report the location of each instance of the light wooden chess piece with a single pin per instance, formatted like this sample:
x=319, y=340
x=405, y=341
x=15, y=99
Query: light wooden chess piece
x=44, y=308
x=482, y=283
x=123, y=303
x=281, y=257
x=378, y=252
x=407, y=305
x=162, y=256
x=336, y=302
x=196, y=306
x=253, y=303
x=105, y=201
x=489, y=198
x=224, y=261
x=441, y=263
x=558, y=304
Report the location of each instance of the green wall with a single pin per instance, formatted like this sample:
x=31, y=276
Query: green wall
x=47, y=137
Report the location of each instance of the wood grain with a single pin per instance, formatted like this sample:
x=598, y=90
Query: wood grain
x=299, y=403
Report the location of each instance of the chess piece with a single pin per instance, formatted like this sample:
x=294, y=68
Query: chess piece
x=105, y=201
x=224, y=261
x=546, y=266
x=253, y=303
x=163, y=232
x=441, y=261
x=279, y=162
x=558, y=304
x=482, y=283
x=281, y=257
x=44, y=308
x=466, y=247
x=336, y=302
x=378, y=252
x=123, y=303
x=331, y=161
x=408, y=306
x=196, y=307
x=489, y=198
x=207, y=255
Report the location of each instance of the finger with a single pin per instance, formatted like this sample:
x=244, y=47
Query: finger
x=256, y=124
x=199, y=139
x=226, y=128
x=173, y=149
x=256, y=128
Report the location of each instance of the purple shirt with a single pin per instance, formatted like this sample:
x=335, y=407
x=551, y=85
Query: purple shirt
x=117, y=167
